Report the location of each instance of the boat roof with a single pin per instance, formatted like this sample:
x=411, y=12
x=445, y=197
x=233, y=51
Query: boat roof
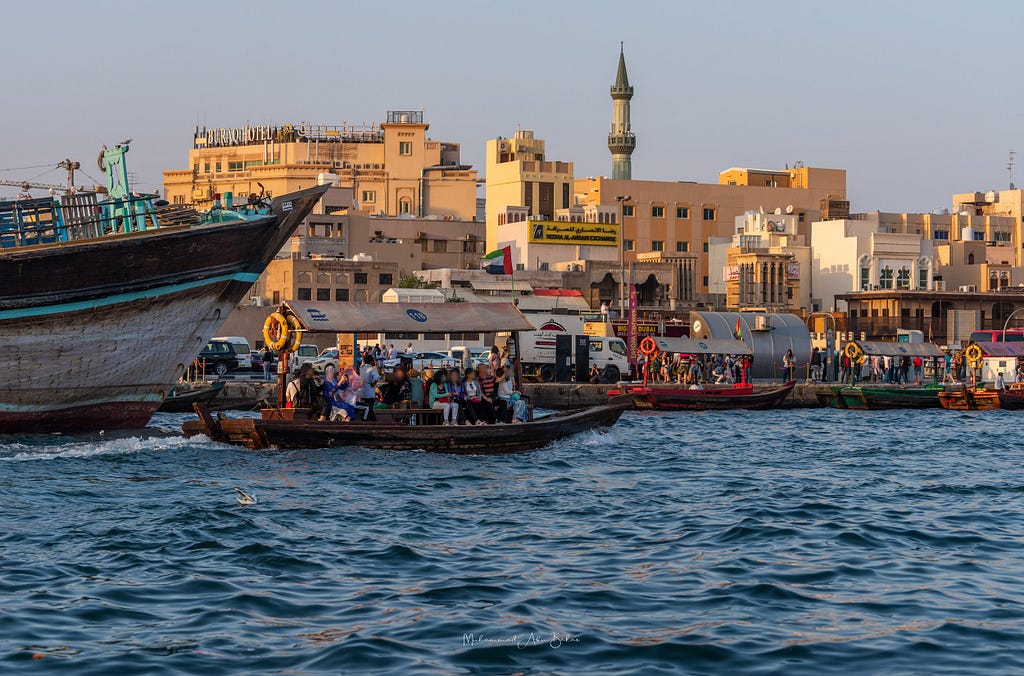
x=701, y=345
x=889, y=348
x=344, y=317
x=1014, y=349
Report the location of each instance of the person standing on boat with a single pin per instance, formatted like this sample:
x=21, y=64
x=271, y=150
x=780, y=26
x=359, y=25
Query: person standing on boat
x=439, y=399
x=494, y=359
x=371, y=376
x=1000, y=382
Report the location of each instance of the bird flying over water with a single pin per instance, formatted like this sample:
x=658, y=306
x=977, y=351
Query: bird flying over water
x=244, y=498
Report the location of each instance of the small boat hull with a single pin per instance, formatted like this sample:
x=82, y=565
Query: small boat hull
x=715, y=399
x=867, y=398
x=182, y=402
x=258, y=434
x=970, y=399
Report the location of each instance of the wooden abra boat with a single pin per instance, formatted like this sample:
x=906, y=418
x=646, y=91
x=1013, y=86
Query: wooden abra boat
x=970, y=399
x=739, y=396
x=875, y=398
x=1012, y=398
x=181, y=402
x=293, y=428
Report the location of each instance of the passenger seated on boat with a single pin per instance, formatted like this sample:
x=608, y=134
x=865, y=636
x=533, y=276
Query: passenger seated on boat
x=475, y=399
x=309, y=394
x=416, y=389
x=439, y=400
x=395, y=388
x=488, y=394
x=513, y=400
x=457, y=394
x=334, y=390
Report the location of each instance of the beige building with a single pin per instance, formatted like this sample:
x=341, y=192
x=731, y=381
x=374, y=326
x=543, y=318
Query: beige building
x=971, y=266
x=393, y=168
x=682, y=217
x=325, y=279
x=519, y=175
x=1008, y=204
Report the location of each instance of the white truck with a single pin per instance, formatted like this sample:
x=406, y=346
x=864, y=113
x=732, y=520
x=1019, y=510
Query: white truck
x=537, y=348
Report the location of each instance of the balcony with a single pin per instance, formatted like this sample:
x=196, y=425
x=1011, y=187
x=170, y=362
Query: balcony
x=405, y=117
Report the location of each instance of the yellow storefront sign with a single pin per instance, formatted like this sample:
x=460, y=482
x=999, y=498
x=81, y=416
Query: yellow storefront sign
x=568, y=232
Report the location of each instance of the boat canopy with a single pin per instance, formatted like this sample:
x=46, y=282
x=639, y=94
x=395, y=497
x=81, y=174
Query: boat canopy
x=340, y=317
x=682, y=345
x=1000, y=349
x=889, y=348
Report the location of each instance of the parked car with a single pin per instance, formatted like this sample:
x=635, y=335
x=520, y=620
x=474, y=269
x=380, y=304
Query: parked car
x=219, y=357
x=477, y=355
x=423, y=360
x=328, y=357
x=242, y=349
x=306, y=354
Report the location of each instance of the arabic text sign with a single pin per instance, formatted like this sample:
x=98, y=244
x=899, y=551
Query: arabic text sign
x=569, y=232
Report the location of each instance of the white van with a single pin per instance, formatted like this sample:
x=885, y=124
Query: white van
x=242, y=349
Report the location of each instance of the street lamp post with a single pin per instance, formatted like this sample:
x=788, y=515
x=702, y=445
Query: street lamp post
x=1007, y=322
x=622, y=255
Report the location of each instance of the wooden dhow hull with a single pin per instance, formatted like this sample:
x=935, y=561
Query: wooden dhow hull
x=258, y=434
x=969, y=399
x=96, y=331
x=672, y=399
x=867, y=398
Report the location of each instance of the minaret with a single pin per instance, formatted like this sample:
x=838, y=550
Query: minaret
x=621, y=140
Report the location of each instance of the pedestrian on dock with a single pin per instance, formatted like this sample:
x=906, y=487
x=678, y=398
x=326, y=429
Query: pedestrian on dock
x=265, y=359
x=815, y=366
x=371, y=376
x=788, y=364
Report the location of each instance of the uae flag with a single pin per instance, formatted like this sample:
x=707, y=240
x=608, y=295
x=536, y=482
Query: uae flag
x=498, y=262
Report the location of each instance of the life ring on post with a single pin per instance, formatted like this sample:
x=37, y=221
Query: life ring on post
x=277, y=325
x=295, y=332
x=854, y=352
x=974, y=355
x=648, y=347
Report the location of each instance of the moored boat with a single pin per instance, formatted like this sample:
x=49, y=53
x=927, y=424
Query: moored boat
x=739, y=396
x=970, y=399
x=182, y=400
x=105, y=301
x=879, y=398
x=1012, y=398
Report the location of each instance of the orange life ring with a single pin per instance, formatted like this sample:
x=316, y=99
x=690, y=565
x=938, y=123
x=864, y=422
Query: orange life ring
x=276, y=324
x=648, y=347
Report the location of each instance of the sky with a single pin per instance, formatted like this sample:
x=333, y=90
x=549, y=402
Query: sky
x=916, y=100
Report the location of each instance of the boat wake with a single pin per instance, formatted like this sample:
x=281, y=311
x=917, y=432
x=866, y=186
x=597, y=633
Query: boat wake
x=61, y=447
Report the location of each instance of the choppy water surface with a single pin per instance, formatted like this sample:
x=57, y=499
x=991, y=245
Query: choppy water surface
x=789, y=542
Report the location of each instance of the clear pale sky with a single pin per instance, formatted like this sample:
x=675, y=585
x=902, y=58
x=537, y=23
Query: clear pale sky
x=917, y=100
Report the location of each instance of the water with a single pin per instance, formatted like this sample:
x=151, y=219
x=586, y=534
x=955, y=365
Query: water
x=737, y=542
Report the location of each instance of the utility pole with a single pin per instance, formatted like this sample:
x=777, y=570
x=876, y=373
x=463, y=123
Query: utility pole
x=622, y=255
x=70, y=166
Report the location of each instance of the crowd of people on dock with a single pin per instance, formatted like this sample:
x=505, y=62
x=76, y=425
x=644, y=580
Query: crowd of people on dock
x=695, y=370
x=481, y=395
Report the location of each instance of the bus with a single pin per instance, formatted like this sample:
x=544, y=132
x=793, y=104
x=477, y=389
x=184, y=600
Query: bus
x=1015, y=335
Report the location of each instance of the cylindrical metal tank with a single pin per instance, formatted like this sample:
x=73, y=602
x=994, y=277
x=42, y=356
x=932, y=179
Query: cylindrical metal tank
x=768, y=338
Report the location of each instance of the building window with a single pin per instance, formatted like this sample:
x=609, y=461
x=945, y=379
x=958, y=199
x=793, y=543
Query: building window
x=705, y=280
x=405, y=147
x=970, y=259
x=360, y=278
x=236, y=166
x=978, y=236
x=709, y=214
x=657, y=212
x=627, y=245
x=922, y=278
x=341, y=295
x=705, y=247
x=657, y=245
x=627, y=209
x=323, y=294
x=885, y=279
x=865, y=278
x=800, y=217
x=195, y=168
x=1000, y=236
x=565, y=195
x=682, y=212
x=305, y=293
x=404, y=205
x=940, y=234
x=903, y=278
x=682, y=247
x=440, y=246
x=369, y=195
x=217, y=167
x=386, y=279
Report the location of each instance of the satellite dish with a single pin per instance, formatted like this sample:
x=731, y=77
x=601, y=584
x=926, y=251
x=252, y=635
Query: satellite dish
x=789, y=208
x=778, y=211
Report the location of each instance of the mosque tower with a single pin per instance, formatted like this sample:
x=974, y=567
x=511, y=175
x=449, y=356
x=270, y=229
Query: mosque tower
x=621, y=140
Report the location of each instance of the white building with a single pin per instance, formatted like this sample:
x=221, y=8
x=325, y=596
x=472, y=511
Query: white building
x=852, y=255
